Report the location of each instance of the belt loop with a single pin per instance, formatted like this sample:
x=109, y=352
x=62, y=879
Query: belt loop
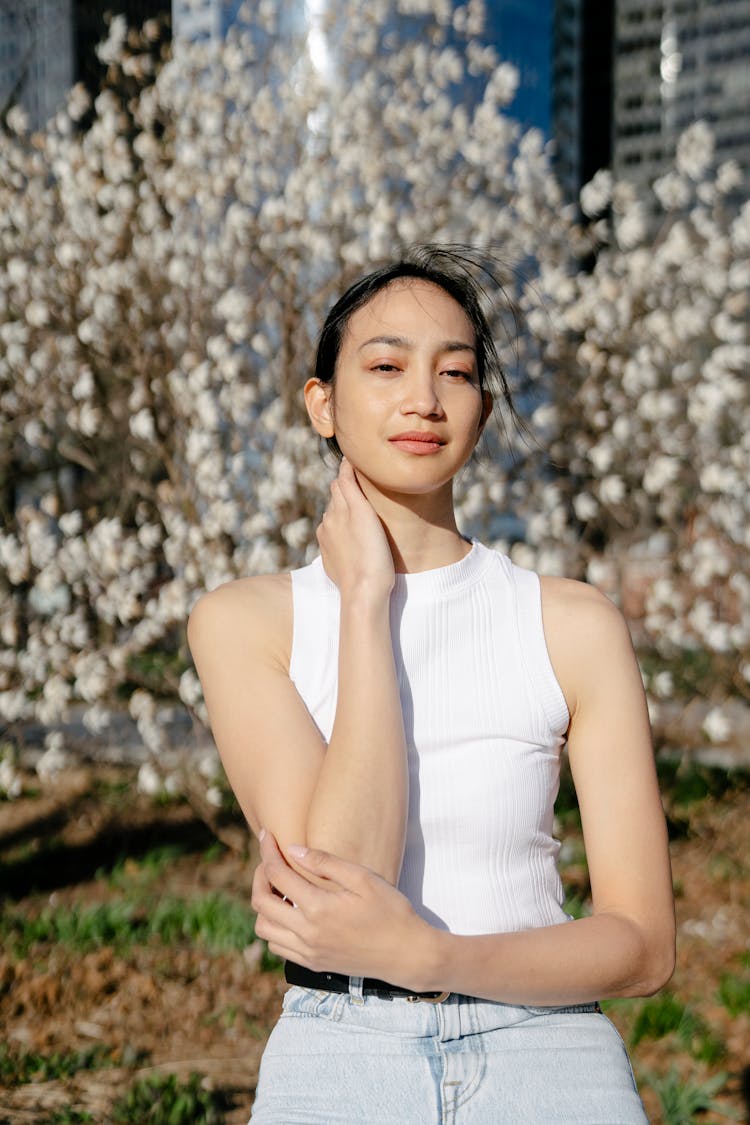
x=356, y=990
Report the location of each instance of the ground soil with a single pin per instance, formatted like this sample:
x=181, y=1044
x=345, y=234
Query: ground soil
x=181, y=1009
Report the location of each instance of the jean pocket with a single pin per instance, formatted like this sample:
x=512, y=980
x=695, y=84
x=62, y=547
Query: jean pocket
x=302, y=1001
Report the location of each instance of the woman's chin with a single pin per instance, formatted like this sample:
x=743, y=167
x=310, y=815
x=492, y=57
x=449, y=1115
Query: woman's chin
x=402, y=486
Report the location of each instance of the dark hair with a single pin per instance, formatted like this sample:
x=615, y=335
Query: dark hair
x=453, y=269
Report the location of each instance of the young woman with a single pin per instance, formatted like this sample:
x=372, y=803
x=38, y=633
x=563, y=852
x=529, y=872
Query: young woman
x=391, y=719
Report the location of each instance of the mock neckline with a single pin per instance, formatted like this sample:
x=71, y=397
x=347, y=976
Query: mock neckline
x=430, y=584
x=443, y=579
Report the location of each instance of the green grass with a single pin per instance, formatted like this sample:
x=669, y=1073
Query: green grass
x=162, y=1099
x=684, y=783
x=734, y=994
x=566, y=805
x=214, y=852
x=19, y=1067
x=127, y=872
x=576, y=906
x=156, y=670
x=212, y=920
x=68, y=1117
x=682, y=1100
x=667, y=1015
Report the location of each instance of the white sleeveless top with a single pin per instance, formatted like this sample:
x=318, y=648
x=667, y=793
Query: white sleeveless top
x=484, y=718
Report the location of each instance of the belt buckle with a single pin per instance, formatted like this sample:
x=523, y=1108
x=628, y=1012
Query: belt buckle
x=428, y=997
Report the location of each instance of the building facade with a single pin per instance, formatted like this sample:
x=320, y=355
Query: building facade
x=676, y=62
x=36, y=56
x=582, y=74
x=46, y=46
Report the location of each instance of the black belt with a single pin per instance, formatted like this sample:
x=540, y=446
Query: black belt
x=337, y=982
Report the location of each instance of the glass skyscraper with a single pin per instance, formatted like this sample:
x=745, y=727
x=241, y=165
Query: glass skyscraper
x=36, y=56
x=675, y=62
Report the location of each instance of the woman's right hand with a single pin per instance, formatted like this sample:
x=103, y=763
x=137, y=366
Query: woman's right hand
x=353, y=544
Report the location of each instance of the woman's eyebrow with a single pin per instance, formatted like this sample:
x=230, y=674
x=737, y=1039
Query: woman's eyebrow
x=404, y=342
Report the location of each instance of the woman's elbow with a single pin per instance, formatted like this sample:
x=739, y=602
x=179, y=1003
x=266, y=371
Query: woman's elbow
x=656, y=966
x=662, y=967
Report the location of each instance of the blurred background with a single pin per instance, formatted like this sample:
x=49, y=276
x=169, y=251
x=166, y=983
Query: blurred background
x=184, y=191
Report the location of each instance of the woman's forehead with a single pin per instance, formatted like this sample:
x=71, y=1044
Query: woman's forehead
x=411, y=308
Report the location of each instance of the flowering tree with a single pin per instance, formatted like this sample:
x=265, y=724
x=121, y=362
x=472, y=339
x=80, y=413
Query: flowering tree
x=648, y=430
x=164, y=275
x=164, y=272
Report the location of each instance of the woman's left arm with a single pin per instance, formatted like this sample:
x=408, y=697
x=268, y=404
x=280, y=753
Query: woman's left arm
x=362, y=926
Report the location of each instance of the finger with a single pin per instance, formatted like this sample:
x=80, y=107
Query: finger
x=351, y=474
x=347, y=480
x=338, y=498
x=262, y=891
x=261, y=884
x=264, y=895
x=280, y=875
x=336, y=871
x=284, y=946
x=271, y=910
x=278, y=937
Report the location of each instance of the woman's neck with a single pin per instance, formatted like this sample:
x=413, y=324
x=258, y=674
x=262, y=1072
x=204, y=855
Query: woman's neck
x=421, y=529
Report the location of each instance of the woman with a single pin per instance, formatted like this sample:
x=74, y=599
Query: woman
x=391, y=719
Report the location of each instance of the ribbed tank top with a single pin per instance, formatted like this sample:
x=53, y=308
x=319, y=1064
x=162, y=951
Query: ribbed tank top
x=484, y=718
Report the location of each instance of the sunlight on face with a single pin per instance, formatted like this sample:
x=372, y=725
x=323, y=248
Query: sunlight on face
x=406, y=405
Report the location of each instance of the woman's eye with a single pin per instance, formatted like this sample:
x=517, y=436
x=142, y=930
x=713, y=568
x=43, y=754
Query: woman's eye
x=456, y=374
x=385, y=367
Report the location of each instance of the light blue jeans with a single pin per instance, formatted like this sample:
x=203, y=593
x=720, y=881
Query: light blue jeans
x=339, y=1059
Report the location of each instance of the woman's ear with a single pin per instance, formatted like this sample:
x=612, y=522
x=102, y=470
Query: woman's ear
x=319, y=403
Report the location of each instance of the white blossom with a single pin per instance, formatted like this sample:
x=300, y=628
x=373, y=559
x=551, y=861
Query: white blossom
x=663, y=684
x=11, y=784
x=54, y=759
x=695, y=150
x=597, y=193
x=17, y=119
x=149, y=780
x=142, y=425
x=660, y=472
x=96, y=719
x=612, y=489
x=37, y=314
x=585, y=506
x=672, y=191
x=717, y=725
x=190, y=688
x=214, y=796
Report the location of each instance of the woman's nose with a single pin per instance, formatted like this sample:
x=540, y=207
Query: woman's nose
x=421, y=395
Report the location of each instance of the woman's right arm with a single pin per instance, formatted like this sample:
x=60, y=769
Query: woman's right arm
x=349, y=797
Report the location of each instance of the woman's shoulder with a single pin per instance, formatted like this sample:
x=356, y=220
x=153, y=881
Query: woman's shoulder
x=567, y=602
x=252, y=593
x=586, y=635
x=258, y=609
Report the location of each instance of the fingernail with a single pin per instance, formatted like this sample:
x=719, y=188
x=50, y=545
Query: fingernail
x=262, y=835
x=297, y=850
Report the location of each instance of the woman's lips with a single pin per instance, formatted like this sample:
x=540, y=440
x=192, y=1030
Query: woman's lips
x=416, y=441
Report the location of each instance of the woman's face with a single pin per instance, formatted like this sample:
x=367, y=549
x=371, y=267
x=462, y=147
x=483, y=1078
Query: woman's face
x=406, y=408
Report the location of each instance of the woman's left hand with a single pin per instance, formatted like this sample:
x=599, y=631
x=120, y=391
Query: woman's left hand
x=353, y=922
